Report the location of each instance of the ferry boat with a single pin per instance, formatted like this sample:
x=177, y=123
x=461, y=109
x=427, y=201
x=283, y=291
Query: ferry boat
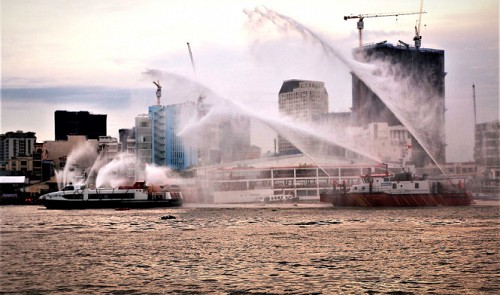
x=135, y=196
x=399, y=190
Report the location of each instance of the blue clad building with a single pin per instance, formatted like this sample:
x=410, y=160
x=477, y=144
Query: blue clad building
x=169, y=149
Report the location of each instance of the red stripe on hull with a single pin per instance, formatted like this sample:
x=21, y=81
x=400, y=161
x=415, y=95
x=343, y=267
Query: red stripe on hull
x=400, y=200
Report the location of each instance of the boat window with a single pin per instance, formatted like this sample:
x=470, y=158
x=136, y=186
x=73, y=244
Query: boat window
x=393, y=186
x=111, y=196
x=416, y=184
x=386, y=179
x=68, y=188
x=73, y=197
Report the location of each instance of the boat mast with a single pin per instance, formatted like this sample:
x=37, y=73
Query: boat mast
x=405, y=156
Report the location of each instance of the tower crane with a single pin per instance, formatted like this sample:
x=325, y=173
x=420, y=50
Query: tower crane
x=191, y=57
x=201, y=97
x=361, y=17
x=418, y=38
x=474, y=101
x=158, y=91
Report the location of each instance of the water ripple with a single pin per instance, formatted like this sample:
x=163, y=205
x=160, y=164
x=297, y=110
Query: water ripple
x=250, y=250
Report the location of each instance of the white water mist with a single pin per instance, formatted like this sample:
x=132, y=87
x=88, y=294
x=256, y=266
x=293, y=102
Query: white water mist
x=77, y=163
x=397, y=93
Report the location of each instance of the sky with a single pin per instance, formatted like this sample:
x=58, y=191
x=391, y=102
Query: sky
x=92, y=55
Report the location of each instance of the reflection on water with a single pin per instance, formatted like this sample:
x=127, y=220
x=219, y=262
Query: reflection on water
x=250, y=250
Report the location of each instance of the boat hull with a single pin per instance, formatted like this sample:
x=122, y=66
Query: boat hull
x=396, y=200
x=99, y=204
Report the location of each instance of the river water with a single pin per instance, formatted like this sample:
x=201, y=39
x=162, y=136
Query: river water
x=254, y=249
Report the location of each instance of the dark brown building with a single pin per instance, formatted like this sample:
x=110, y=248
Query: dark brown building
x=79, y=123
x=424, y=71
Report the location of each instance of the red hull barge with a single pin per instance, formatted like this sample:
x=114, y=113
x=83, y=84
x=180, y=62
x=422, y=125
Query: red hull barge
x=399, y=200
x=400, y=190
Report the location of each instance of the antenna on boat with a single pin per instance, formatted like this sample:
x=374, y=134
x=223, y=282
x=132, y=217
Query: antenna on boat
x=405, y=156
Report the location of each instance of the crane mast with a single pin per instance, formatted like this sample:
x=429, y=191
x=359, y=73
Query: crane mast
x=201, y=97
x=158, y=91
x=191, y=57
x=474, y=101
x=418, y=38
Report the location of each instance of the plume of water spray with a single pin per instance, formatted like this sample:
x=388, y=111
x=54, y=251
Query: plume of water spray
x=291, y=130
x=125, y=166
x=375, y=79
x=116, y=172
x=77, y=165
x=156, y=175
x=94, y=170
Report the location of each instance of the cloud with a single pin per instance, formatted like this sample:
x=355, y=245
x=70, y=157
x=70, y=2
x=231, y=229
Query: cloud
x=100, y=97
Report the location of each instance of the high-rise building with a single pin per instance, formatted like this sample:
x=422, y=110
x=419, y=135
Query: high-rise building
x=301, y=100
x=79, y=123
x=37, y=161
x=209, y=152
x=127, y=140
x=169, y=149
x=226, y=139
x=14, y=145
x=487, y=146
x=424, y=69
x=143, y=144
x=157, y=116
x=234, y=141
x=108, y=148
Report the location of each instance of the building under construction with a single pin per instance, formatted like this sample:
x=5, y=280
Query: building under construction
x=424, y=69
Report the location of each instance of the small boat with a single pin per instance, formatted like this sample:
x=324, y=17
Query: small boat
x=279, y=199
x=166, y=217
x=121, y=198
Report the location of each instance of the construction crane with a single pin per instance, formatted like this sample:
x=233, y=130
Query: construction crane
x=361, y=17
x=191, y=57
x=201, y=96
x=158, y=91
x=418, y=38
x=474, y=101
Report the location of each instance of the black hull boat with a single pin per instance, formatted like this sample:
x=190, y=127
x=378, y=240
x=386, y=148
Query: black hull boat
x=135, y=196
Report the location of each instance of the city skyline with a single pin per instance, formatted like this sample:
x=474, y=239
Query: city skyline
x=92, y=57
